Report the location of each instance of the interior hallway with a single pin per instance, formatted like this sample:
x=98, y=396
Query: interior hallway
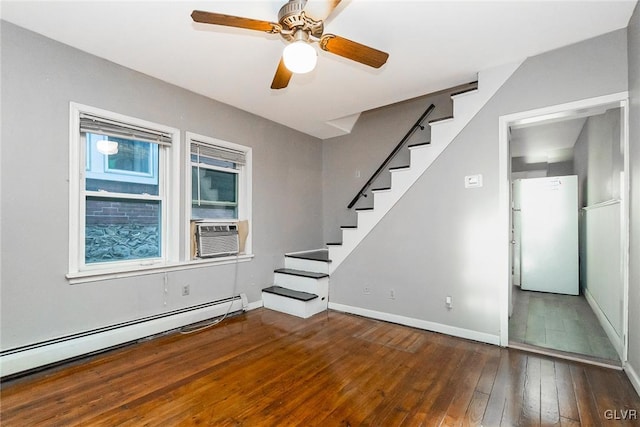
x=559, y=322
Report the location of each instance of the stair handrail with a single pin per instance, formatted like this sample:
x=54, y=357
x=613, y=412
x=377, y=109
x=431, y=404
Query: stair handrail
x=417, y=124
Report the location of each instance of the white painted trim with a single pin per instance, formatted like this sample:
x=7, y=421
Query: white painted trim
x=418, y=323
x=504, y=221
x=245, y=188
x=633, y=377
x=561, y=355
x=613, y=336
x=555, y=111
x=619, y=99
x=56, y=352
x=625, y=210
x=169, y=194
x=93, y=276
x=254, y=305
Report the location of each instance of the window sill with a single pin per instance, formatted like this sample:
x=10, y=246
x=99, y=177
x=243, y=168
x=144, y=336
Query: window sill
x=98, y=275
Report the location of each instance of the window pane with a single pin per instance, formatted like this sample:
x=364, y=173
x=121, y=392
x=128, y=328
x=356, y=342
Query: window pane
x=132, y=170
x=215, y=186
x=214, y=194
x=132, y=156
x=120, y=229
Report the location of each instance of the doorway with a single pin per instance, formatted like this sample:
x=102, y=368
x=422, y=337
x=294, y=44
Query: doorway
x=551, y=146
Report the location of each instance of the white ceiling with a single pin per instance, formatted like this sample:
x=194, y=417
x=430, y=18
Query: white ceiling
x=432, y=45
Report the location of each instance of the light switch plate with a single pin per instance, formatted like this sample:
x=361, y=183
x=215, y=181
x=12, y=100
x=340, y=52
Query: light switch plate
x=473, y=181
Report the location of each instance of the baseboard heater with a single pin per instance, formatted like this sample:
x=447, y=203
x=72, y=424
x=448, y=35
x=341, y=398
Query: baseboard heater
x=42, y=355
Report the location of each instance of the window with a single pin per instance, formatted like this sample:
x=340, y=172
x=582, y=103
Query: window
x=220, y=181
x=214, y=181
x=121, y=191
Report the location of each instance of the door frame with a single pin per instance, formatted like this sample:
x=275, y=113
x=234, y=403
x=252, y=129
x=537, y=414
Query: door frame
x=620, y=99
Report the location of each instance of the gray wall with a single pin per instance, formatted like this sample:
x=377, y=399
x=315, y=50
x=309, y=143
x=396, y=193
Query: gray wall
x=633, y=34
x=599, y=178
x=39, y=79
x=437, y=240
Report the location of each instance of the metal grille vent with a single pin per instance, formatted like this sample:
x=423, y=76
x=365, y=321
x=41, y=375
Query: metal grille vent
x=217, y=239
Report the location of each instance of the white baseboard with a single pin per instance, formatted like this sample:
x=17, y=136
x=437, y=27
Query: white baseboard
x=254, y=305
x=633, y=377
x=418, y=323
x=37, y=356
x=616, y=341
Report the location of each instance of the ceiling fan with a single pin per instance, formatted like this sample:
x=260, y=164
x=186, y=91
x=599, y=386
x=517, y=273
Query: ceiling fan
x=300, y=23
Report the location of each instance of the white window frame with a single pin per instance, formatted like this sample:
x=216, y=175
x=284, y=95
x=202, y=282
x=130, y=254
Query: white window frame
x=169, y=164
x=244, y=197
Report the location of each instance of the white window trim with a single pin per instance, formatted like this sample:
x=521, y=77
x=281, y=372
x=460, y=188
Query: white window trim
x=170, y=207
x=244, y=196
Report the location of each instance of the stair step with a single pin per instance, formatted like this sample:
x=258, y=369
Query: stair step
x=420, y=144
x=381, y=189
x=319, y=255
x=441, y=119
x=473, y=86
x=348, y=227
x=290, y=293
x=301, y=273
x=364, y=209
x=397, y=168
x=334, y=244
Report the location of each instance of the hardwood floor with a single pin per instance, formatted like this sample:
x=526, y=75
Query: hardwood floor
x=266, y=368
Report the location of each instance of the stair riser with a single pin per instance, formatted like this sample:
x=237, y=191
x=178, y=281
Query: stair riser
x=366, y=220
x=350, y=236
x=306, y=265
x=384, y=200
x=319, y=287
x=463, y=104
x=292, y=306
x=443, y=133
x=424, y=156
x=400, y=181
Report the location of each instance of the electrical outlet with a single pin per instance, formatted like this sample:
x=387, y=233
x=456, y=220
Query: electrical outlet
x=366, y=291
x=392, y=294
x=449, y=302
x=185, y=290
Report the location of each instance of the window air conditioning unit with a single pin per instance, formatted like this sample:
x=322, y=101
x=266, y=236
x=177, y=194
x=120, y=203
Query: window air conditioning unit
x=216, y=239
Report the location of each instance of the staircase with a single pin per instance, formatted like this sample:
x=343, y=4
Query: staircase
x=443, y=131
x=301, y=288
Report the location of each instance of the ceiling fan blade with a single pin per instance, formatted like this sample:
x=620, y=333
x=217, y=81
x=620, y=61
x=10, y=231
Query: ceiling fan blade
x=282, y=77
x=355, y=51
x=233, y=21
x=319, y=10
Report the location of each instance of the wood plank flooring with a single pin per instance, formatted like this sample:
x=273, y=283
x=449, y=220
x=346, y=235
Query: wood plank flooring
x=559, y=322
x=264, y=368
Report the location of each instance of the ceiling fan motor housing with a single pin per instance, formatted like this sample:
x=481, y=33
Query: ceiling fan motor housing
x=292, y=18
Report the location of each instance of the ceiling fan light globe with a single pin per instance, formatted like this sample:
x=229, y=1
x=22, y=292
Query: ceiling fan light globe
x=300, y=57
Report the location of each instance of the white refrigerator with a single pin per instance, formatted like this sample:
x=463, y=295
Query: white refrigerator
x=545, y=228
